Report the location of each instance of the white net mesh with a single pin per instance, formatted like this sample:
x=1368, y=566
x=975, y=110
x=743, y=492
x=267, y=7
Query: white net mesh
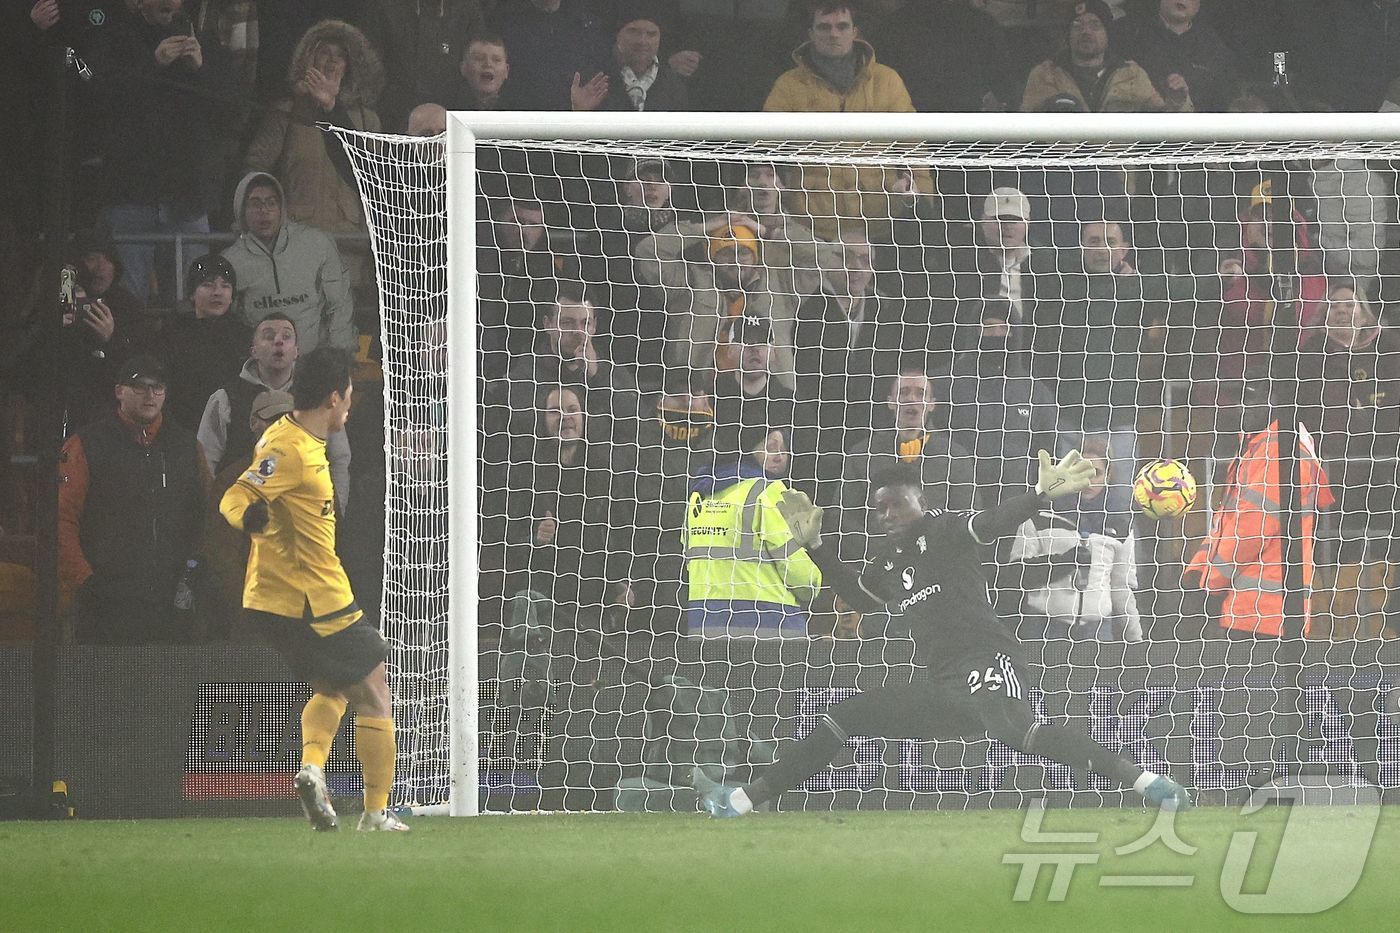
x=656, y=318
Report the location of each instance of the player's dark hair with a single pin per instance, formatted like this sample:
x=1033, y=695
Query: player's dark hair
x=485, y=37
x=278, y=316
x=826, y=7
x=319, y=373
x=897, y=474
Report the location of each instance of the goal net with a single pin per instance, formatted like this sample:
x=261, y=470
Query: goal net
x=604, y=340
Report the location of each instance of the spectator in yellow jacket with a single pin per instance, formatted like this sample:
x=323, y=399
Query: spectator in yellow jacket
x=836, y=72
x=1091, y=76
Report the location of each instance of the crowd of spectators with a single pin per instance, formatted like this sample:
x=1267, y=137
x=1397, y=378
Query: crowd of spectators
x=649, y=322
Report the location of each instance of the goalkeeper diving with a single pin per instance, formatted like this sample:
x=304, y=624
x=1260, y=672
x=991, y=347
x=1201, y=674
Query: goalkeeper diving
x=931, y=573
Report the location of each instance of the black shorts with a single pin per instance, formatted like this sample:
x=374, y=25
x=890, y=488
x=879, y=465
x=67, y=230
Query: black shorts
x=963, y=699
x=339, y=660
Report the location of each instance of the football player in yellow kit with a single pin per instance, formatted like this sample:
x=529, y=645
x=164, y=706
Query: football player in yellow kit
x=297, y=594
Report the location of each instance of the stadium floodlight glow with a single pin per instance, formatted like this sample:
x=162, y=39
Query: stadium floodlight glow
x=423, y=202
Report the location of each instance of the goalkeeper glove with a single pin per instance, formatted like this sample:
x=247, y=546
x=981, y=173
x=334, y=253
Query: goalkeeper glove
x=255, y=517
x=803, y=518
x=1067, y=477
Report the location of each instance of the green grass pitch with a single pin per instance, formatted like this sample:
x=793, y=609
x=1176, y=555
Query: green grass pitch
x=785, y=871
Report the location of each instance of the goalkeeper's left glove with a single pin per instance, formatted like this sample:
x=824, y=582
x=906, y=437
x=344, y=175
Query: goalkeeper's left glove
x=803, y=518
x=1070, y=475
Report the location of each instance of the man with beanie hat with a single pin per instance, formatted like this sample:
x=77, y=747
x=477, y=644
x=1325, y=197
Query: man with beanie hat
x=1092, y=73
x=201, y=343
x=639, y=79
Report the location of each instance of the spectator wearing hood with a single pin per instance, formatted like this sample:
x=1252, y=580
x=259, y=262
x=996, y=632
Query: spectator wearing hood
x=286, y=266
x=336, y=77
x=160, y=87
x=745, y=575
x=1092, y=76
x=202, y=344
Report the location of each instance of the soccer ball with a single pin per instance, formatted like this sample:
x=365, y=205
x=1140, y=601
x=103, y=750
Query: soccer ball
x=1164, y=489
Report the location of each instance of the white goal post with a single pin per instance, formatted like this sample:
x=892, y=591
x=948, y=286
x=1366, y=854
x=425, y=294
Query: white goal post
x=391, y=189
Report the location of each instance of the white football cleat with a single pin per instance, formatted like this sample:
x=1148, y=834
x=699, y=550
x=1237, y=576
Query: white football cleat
x=381, y=821
x=310, y=784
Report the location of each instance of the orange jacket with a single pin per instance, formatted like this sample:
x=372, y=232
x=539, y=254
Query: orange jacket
x=1243, y=555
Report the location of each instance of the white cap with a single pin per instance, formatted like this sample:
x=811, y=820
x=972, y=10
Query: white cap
x=1006, y=202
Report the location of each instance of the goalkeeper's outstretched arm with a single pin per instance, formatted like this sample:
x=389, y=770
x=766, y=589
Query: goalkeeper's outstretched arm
x=1069, y=476
x=805, y=522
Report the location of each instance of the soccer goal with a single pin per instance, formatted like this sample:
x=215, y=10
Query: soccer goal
x=594, y=324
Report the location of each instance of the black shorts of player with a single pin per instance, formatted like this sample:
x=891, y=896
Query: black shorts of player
x=339, y=660
x=962, y=699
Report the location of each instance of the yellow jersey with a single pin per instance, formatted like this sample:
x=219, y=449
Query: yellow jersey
x=293, y=565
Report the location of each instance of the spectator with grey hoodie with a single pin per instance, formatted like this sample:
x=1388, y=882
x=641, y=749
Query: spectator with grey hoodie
x=290, y=267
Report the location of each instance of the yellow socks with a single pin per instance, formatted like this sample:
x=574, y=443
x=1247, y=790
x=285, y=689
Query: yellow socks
x=374, y=745
x=320, y=718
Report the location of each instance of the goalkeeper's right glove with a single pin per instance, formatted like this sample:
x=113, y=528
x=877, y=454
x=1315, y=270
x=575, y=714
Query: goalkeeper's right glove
x=1070, y=475
x=255, y=517
x=803, y=518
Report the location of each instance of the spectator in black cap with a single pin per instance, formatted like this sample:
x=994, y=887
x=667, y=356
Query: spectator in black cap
x=638, y=80
x=1092, y=72
x=130, y=490
x=201, y=343
x=747, y=394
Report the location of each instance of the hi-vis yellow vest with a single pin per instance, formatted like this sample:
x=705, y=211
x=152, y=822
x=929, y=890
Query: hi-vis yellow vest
x=738, y=547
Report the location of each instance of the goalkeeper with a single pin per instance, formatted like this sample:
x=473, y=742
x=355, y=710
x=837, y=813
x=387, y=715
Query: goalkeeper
x=932, y=574
x=298, y=595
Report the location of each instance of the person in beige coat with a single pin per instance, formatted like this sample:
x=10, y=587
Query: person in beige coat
x=711, y=272
x=336, y=77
